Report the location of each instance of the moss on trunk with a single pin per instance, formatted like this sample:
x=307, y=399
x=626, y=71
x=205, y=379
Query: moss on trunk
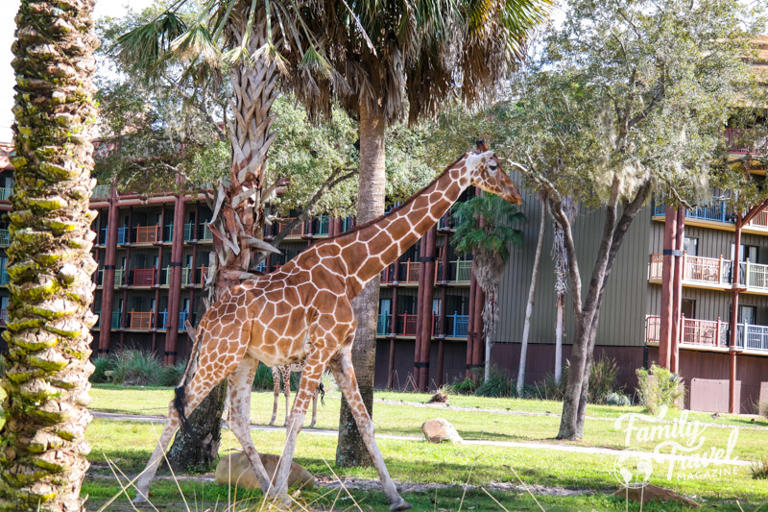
x=42, y=446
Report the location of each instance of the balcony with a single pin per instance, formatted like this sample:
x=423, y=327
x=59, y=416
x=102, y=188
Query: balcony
x=122, y=235
x=406, y=325
x=115, y=320
x=147, y=234
x=186, y=275
x=168, y=233
x=163, y=320
x=714, y=273
x=3, y=316
x=6, y=193
x=189, y=232
x=144, y=276
x=459, y=271
x=142, y=320
x=458, y=325
x=207, y=236
x=5, y=238
x=4, y=277
x=712, y=334
x=383, y=324
x=321, y=225
x=737, y=138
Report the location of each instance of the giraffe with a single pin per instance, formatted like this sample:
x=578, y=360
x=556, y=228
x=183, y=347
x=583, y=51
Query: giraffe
x=302, y=312
x=283, y=373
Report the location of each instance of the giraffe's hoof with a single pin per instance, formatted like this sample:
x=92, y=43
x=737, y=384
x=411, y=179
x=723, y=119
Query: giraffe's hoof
x=311, y=425
x=400, y=505
x=140, y=499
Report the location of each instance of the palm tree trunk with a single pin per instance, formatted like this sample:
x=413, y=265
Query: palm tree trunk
x=531, y=294
x=42, y=445
x=350, y=450
x=238, y=223
x=559, y=340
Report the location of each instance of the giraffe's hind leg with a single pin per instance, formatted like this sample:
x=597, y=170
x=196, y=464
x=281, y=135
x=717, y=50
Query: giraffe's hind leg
x=286, y=371
x=239, y=385
x=275, y=391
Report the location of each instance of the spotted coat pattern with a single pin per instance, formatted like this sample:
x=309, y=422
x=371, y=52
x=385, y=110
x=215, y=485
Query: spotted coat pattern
x=301, y=313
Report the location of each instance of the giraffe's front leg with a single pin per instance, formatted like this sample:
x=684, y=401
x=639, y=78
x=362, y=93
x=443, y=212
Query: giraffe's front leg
x=342, y=369
x=286, y=371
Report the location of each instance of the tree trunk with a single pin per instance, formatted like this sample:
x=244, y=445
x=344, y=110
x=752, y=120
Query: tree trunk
x=350, y=450
x=238, y=219
x=488, y=347
x=559, y=340
x=531, y=294
x=42, y=445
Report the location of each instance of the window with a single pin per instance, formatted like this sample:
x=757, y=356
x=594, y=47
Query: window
x=691, y=246
x=746, y=252
x=748, y=314
x=688, y=308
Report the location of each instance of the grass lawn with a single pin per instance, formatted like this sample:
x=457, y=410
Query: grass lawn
x=130, y=443
x=404, y=419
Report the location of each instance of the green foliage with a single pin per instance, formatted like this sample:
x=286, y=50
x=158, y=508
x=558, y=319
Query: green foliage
x=3, y=366
x=619, y=399
x=602, y=380
x=263, y=379
x=171, y=375
x=484, y=224
x=546, y=389
x=101, y=365
x=658, y=387
x=497, y=385
x=136, y=368
x=463, y=387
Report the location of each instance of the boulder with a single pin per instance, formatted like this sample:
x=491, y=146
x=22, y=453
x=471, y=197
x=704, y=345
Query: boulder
x=243, y=476
x=438, y=430
x=652, y=492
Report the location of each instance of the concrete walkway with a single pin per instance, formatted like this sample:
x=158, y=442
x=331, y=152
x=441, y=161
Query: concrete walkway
x=533, y=445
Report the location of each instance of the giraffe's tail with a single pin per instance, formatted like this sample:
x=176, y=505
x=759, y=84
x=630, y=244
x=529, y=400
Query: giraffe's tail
x=179, y=398
x=321, y=390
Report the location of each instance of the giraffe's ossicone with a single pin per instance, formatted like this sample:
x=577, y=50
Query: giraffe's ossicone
x=301, y=313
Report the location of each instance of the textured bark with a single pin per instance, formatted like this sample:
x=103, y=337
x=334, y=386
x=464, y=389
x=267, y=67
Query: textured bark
x=238, y=222
x=42, y=446
x=559, y=339
x=350, y=450
x=531, y=294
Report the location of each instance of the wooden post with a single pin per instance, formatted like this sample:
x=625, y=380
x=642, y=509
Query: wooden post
x=426, y=295
x=667, y=288
x=677, y=306
x=174, y=285
x=470, y=325
x=734, y=316
x=108, y=281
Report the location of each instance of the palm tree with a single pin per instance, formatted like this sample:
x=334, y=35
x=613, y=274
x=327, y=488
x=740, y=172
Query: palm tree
x=377, y=60
x=398, y=56
x=484, y=228
x=42, y=446
x=560, y=261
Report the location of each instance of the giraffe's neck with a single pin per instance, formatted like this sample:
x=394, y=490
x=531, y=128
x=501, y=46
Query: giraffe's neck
x=371, y=248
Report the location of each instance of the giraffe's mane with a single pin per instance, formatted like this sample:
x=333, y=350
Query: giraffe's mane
x=398, y=207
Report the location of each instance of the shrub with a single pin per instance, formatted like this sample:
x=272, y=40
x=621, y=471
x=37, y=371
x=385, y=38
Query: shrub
x=497, y=385
x=602, y=380
x=3, y=365
x=463, y=387
x=618, y=399
x=263, y=379
x=546, y=389
x=658, y=387
x=101, y=365
x=760, y=469
x=136, y=368
x=762, y=409
x=170, y=375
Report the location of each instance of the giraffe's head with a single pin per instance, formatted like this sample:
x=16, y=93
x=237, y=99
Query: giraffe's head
x=485, y=173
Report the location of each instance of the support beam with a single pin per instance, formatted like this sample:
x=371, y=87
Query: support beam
x=470, y=325
x=392, y=327
x=667, y=289
x=174, y=284
x=677, y=293
x=735, y=313
x=108, y=281
x=427, y=296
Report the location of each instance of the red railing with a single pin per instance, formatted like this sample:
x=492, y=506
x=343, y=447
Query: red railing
x=703, y=333
x=406, y=324
x=695, y=268
x=147, y=234
x=203, y=274
x=144, y=276
x=141, y=320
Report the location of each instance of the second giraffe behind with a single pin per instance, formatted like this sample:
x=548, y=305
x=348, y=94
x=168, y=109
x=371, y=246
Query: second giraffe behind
x=302, y=312
x=283, y=374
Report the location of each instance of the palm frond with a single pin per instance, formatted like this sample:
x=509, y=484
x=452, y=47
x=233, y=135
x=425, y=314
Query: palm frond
x=147, y=45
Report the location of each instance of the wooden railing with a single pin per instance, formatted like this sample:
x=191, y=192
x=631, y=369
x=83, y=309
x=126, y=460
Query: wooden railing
x=702, y=333
x=144, y=276
x=147, y=234
x=141, y=320
x=696, y=269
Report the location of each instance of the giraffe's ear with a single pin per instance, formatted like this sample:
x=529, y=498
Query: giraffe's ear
x=480, y=146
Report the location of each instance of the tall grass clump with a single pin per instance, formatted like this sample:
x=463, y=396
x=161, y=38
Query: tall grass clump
x=463, y=387
x=102, y=365
x=2, y=366
x=497, y=385
x=170, y=375
x=658, y=387
x=136, y=368
x=602, y=380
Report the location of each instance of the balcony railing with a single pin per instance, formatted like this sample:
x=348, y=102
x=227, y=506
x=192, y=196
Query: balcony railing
x=458, y=325
x=168, y=233
x=696, y=270
x=4, y=277
x=698, y=333
x=189, y=232
x=122, y=235
x=3, y=316
x=141, y=319
x=207, y=235
x=147, y=234
x=5, y=238
x=144, y=276
x=6, y=193
x=163, y=319
x=186, y=274
x=406, y=325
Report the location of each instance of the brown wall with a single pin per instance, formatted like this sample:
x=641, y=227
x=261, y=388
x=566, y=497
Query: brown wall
x=453, y=363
